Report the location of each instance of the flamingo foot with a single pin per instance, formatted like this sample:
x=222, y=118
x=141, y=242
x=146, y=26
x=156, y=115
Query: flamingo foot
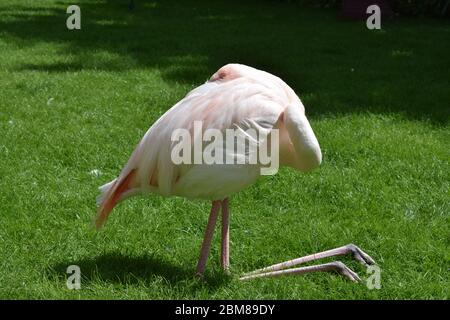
x=360, y=255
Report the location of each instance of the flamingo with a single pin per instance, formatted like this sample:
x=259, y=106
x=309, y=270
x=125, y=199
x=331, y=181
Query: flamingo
x=236, y=96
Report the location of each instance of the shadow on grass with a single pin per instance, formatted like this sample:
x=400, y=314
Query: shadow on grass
x=55, y=67
x=121, y=269
x=336, y=66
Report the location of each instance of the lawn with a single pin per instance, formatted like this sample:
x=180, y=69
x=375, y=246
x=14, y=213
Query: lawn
x=73, y=105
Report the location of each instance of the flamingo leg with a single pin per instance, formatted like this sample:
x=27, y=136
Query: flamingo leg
x=206, y=245
x=336, y=266
x=277, y=269
x=225, y=256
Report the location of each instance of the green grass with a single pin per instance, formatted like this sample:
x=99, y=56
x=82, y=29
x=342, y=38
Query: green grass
x=75, y=101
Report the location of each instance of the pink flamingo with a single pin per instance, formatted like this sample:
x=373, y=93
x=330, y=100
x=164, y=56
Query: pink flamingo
x=236, y=96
